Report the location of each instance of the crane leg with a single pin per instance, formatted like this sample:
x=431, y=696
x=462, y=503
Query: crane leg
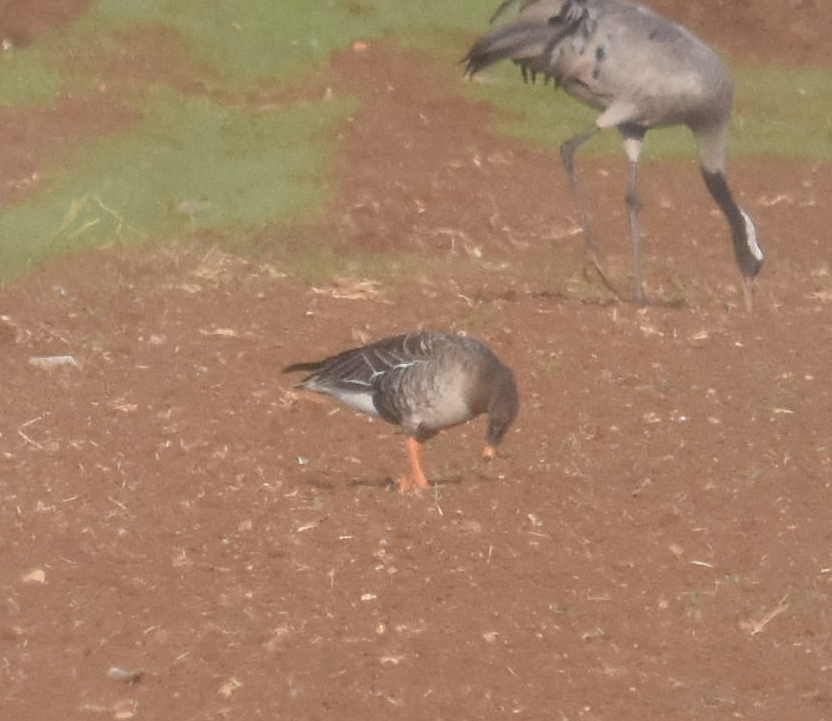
x=633, y=145
x=567, y=155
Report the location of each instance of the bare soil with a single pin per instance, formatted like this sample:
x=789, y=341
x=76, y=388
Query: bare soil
x=184, y=536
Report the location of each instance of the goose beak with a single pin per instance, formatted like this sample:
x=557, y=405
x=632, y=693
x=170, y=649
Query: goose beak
x=489, y=452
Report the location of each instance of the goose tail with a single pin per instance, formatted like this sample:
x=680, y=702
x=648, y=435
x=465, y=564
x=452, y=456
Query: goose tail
x=309, y=367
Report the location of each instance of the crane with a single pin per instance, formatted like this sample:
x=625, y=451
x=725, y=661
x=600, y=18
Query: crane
x=642, y=71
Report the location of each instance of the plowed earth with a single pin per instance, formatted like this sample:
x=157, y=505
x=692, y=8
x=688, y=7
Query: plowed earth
x=184, y=536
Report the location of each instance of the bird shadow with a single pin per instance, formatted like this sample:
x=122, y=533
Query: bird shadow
x=559, y=295
x=678, y=303
x=318, y=484
x=675, y=303
x=388, y=483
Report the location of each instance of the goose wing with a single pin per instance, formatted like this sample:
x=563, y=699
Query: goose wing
x=364, y=367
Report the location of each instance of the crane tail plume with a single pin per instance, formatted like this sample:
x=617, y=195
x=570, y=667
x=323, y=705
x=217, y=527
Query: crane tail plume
x=517, y=41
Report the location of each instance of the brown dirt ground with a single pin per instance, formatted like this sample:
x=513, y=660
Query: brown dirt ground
x=653, y=543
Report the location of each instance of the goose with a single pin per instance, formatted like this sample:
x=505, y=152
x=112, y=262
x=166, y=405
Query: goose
x=424, y=382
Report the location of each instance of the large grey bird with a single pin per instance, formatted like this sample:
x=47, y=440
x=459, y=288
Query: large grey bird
x=642, y=71
x=424, y=382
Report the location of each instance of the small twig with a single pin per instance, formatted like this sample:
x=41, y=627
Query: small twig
x=704, y=564
x=29, y=440
x=754, y=627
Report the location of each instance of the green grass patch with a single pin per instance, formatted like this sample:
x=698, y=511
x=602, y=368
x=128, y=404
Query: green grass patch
x=235, y=44
x=191, y=164
x=26, y=77
x=259, y=39
x=783, y=112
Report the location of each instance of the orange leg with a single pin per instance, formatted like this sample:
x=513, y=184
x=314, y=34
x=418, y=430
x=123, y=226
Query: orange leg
x=417, y=478
x=489, y=451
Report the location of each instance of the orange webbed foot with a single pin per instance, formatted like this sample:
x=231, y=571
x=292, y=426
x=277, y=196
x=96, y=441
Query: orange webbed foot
x=406, y=484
